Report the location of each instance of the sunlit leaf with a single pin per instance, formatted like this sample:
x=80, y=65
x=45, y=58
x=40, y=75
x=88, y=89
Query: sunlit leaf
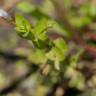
x=23, y=27
x=61, y=44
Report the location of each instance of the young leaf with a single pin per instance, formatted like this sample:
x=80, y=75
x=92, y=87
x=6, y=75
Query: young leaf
x=55, y=55
x=60, y=44
x=23, y=27
x=58, y=52
x=74, y=59
x=41, y=39
x=41, y=28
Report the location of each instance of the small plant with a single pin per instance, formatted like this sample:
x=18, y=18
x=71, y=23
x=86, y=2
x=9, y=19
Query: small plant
x=59, y=43
x=54, y=53
x=50, y=52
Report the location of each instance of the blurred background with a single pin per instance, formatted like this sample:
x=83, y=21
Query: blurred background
x=20, y=73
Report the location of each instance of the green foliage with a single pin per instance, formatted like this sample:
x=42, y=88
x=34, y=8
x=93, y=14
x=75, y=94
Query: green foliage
x=54, y=52
x=77, y=82
x=39, y=38
x=80, y=21
x=77, y=79
x=37, y=56
x=58, y=52
x=52, y=56
x=23, y=27
x=75, y=58
x=26, y=31
x=26, y=7
x=88, y=10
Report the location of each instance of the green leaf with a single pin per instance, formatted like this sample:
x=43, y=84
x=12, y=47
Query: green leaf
x=55, y=55
x=60, y=44
x=67, y=3
x=37, y=56
x=41, y=28
x=23, y=27
x=80, y=21
x=47, y=7
x=92, y=10
x=74, y=59
x=59, y=29
x=77, y=81
x=58, y=52
x=57, y=64
x=26, y=7
x=84, y=9
x=88, y=9
x=41, y=39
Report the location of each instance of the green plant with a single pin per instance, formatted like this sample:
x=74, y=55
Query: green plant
x=47, y=52
x=58, y=43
